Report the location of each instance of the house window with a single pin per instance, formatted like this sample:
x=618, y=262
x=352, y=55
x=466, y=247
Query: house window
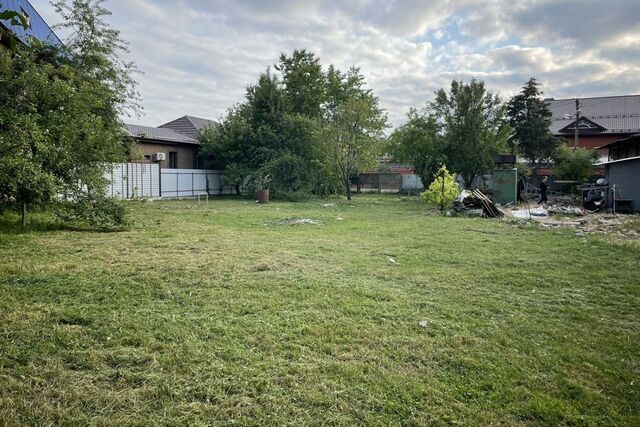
x=147, y=156
x=26, y=17
x=173, y=159
x=196, y=162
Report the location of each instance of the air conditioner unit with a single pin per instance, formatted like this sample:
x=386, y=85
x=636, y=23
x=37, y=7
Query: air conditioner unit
x=158, y=157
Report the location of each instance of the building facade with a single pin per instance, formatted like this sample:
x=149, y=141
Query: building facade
x=602, y=120
x=622, y=171
x=168, y=148
x=37, y=27
x=173, y=145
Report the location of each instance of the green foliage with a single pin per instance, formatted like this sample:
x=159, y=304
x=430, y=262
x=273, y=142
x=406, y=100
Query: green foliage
x=575, y=164
x=289, y=174
x=303, y=83
x=235, y=175
x=439, y=195
x=95, y=210
x=353, y=125
x=530, y=119
x=93, y=47
x=289, y=122
x=14, y=18
x=419, y=142
x=473, y=127
x=59, y=112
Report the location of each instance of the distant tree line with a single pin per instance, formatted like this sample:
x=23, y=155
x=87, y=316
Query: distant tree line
x=468, y=126
x=312, y=131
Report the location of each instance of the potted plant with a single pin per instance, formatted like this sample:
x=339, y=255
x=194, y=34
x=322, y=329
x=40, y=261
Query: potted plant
x=262, y=186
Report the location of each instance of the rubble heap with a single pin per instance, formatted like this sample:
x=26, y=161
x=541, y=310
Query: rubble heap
x=564, y=209
x=475, y=201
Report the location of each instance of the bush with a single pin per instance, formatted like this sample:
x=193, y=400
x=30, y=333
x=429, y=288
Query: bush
x=575, y=164
x=289, y=174
x=434, y=195
x=94, y=210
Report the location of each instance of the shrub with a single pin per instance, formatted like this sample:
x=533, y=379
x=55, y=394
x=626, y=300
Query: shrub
x=434, y=195
x=94, y=210
x=289, y=173
x=575, y=164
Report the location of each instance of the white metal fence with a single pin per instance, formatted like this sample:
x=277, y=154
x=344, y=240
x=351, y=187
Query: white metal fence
x=134, y=180
x=192, y=182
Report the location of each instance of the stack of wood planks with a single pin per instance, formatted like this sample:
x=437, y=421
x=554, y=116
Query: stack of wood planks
x=490, y=210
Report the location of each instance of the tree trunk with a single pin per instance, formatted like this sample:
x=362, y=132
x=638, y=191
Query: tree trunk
x=348, y=188
x=237, y=189
x=23, y=219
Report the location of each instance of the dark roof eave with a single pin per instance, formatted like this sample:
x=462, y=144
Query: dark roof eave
x=622, y=141
x=163, y=141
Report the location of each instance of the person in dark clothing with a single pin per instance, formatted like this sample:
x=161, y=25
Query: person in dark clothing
x=543, y=190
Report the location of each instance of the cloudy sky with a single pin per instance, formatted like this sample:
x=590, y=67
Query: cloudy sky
x=199, y=55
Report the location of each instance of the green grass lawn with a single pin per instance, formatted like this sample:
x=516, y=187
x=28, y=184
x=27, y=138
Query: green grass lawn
x=219, y=314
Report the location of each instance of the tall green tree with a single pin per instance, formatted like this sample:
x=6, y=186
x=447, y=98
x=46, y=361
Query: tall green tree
x=303, y=83
x=95, y=49
x=59, y=114
x=353, y=125
x=530, y=120
x=473, y=125
x=419, y=142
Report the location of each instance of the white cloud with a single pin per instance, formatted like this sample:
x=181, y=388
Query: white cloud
x=199, y=55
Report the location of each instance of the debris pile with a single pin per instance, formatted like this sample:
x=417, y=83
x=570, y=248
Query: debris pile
x=466, y=203
x=476, y=202
x=529, y=213
x=295, y=221
x=564, y=209
x=490, y=210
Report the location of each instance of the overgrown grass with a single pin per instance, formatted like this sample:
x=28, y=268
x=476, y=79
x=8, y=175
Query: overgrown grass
x=219, y=314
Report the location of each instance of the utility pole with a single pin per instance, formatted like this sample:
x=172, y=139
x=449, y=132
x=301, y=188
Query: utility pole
x=575, y=142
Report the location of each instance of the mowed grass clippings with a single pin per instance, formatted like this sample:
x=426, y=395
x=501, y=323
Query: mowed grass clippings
x=379, y=312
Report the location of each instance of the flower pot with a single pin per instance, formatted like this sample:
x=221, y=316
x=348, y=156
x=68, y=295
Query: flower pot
x=263, y=196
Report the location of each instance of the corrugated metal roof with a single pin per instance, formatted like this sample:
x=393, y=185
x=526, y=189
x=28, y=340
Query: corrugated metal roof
x=159, y=134
x=189, y=125
x=617, y=114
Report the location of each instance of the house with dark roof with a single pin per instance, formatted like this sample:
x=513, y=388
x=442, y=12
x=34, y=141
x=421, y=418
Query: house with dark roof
x=189, y=125
x=171, y=149
x=173, y=145
x=602, y=120
x=37, y=27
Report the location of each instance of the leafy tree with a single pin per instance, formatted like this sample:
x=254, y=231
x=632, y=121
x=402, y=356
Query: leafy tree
x=94, y=49
x=575, y=164
x=419, y=142
x=59, y=115
x=354, y=125
x=443, y=189
x=282, y=127
x=530, y=119
x=235, y=175
x=473, y=126
x=303, y=82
